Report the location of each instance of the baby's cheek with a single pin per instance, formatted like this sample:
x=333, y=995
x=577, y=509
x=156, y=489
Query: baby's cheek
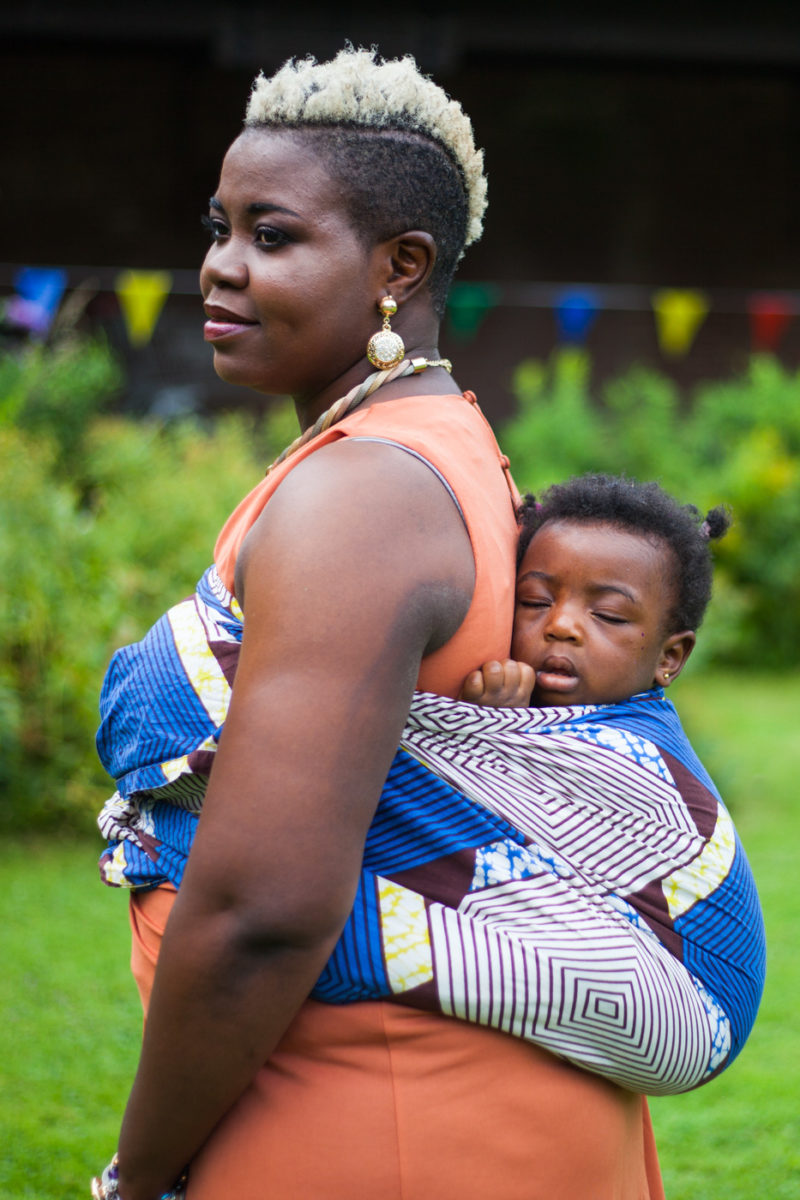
x=518, y=642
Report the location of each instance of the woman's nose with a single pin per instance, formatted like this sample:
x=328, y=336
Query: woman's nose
x=224, y=266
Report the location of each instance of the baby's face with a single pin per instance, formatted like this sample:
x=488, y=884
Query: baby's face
x=590, y=615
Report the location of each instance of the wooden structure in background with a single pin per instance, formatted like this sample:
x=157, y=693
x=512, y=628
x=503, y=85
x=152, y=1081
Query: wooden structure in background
x=624, y=146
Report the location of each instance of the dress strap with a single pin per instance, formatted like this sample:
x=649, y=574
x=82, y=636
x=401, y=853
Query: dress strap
x=416, y=454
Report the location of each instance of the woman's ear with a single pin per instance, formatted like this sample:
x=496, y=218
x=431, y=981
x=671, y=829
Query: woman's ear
x=674, y=653
x=408, y=261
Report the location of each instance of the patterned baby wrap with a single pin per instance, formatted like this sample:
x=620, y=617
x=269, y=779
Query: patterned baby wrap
x=567, y=875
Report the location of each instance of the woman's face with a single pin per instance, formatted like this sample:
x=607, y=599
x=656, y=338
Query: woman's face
x=289, y=290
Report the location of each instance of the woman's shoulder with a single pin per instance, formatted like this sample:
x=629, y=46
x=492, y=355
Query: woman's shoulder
x=452, y=434
x=448, y=431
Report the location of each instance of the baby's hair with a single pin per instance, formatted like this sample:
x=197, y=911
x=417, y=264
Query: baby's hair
x=401, y=150
x=645, y=509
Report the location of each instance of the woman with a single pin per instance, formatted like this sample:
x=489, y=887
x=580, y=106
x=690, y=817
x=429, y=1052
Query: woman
x=378, y=556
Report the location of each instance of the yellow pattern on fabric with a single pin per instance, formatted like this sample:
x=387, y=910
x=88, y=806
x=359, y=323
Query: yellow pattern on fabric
x=176, y=767
x=114, y=870
x=404, y=930
x=198, y=660
x=704, y=874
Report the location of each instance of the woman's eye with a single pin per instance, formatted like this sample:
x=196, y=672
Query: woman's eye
x=270, y=237
x=216, y=228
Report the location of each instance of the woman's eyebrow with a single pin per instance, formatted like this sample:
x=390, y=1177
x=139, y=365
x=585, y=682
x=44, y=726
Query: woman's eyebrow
x=262, y=206
x=258, y=206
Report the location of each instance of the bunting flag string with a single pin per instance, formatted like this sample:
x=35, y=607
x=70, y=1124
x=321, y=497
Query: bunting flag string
x=678, y=313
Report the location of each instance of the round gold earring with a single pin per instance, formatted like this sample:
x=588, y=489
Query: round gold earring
x=666, y=676
x=386, y=349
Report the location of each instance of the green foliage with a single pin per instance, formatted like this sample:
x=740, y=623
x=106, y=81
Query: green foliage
x=54, y=390
x=557, y=431
x=735, y=442
x=90, y=560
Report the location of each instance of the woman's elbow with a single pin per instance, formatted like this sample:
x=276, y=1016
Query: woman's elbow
x=306, y=914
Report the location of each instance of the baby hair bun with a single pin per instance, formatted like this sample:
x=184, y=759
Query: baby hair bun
x=717, y=523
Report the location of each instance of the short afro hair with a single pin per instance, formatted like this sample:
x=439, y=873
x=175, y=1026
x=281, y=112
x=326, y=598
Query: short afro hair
x=401, y=150
x=644, y=509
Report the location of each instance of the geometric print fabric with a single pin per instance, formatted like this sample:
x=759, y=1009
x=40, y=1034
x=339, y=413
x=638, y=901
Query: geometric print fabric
x=513, y=871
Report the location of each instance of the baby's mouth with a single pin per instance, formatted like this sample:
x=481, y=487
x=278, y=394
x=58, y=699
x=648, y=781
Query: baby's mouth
x=556, y=675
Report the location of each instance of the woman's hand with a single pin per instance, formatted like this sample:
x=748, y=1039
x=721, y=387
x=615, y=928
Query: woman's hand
x=506, y=684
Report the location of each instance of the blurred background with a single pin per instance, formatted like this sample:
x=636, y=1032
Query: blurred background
x=642, y=164
x=633, y=306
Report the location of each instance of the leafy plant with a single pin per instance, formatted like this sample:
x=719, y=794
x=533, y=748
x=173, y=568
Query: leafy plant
x=53, y=390
x=90, y=558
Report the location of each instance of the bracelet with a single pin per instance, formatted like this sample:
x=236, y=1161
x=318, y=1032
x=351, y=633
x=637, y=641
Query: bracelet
x=106, y=1186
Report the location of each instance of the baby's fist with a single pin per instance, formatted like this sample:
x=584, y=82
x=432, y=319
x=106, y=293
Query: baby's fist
x=506, y=684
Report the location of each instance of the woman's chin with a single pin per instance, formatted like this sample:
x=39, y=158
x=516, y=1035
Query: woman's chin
x=240, y=374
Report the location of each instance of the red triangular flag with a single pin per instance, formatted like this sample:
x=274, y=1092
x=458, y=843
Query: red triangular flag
x=770, y=313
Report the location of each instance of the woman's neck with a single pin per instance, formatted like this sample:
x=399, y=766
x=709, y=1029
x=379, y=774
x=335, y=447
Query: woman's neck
x=433, y=380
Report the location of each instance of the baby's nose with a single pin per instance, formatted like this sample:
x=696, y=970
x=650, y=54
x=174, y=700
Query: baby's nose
x=563, y=625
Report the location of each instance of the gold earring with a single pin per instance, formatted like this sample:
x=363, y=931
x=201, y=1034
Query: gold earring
x=385, y=349
x=666, y=676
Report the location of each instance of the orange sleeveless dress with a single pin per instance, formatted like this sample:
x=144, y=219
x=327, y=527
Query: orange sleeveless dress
x=378, y=1100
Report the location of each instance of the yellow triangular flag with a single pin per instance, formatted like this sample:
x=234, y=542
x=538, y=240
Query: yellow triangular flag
x=141, y=296
x=679, y=315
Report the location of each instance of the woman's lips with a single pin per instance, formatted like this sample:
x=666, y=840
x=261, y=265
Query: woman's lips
x=214, y=330
x=222, y=323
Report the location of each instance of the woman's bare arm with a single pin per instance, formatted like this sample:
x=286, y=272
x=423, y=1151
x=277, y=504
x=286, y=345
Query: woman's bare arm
x=358, y=567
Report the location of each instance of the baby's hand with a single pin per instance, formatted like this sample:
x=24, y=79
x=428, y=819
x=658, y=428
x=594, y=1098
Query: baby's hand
x=506, y=684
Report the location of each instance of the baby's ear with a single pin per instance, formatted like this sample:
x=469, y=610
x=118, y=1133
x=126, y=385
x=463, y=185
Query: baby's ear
x=674, y=653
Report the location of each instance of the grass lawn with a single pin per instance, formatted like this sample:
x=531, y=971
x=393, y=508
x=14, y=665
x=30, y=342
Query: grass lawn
x=70, y=1028
x=739, y=1137
x=71, y=1020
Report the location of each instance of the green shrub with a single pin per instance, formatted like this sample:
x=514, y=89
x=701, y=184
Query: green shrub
x=557, y=430
x=54, y=390
x=735, y=442
x=85, y=580
x=89, y=562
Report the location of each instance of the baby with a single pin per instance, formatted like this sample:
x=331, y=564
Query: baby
x=613, y=580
